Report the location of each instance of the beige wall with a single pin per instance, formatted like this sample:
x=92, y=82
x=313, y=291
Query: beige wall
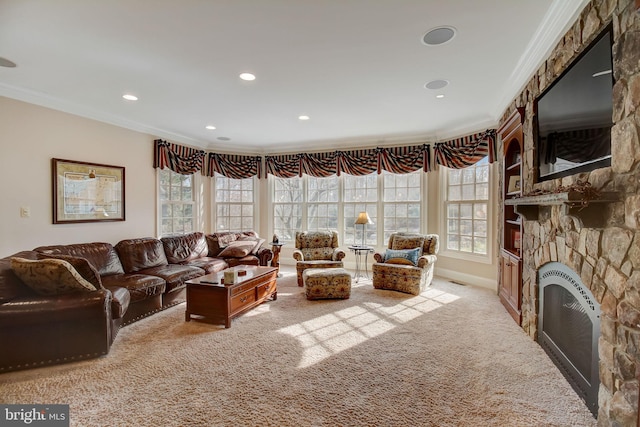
x=32, y=135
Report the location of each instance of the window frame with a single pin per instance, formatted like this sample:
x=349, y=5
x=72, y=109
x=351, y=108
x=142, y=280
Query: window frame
x=215, y=203
x=195, y=202
x=443, y=213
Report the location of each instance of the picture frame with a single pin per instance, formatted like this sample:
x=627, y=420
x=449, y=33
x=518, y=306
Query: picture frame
x=87, y=192
x=516, y=239
x=514, y=184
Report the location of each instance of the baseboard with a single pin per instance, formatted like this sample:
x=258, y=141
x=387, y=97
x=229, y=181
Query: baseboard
x=466, y=279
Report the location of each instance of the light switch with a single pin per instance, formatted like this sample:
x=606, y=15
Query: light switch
x=25, y=212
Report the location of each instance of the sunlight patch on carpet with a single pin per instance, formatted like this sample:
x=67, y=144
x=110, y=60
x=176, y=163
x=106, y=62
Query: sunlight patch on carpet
x=327, y=335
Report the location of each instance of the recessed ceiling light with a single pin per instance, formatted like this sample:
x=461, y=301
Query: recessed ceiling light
x=247, y=76
x=210, y=127
x=438, y=36
x=130, y=97
x=303, y=117
x=440, y=96
x=436, y=84
x=4, y=62
x=223, y=138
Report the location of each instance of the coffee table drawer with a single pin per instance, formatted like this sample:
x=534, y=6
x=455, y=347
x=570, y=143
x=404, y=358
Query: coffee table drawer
x=242, y=300
x=265, y=289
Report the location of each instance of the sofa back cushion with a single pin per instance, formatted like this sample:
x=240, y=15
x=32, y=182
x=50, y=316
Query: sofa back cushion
x=185, y=248
x=100, y=255
x=142, y=253
x=11, y=287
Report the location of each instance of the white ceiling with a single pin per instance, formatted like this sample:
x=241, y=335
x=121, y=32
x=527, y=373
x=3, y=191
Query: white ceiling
x=356, y=67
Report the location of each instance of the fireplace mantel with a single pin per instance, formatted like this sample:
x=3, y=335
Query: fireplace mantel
x=591, y=212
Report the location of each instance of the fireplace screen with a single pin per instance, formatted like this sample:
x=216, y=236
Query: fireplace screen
x=569, y=327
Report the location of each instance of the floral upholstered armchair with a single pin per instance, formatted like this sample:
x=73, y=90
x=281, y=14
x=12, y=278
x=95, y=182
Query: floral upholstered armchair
x=408, y=263
x=317, y=249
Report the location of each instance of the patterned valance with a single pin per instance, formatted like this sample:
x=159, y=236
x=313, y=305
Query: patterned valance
x=187, y=160
x=466, y=151
x=178, y=158
x=355, y=162
x=233, y=165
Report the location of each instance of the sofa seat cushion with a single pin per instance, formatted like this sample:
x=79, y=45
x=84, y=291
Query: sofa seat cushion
x=174, y=275
x=140, y=286
x=50, y=276
x=121, y=298
x=208, y=264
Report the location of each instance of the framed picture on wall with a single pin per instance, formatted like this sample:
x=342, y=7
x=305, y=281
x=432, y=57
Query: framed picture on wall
x=87, y=192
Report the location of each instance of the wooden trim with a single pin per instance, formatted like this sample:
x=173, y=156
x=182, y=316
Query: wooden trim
x=638, y=4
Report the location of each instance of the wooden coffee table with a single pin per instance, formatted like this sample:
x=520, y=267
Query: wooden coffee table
x=220, y=302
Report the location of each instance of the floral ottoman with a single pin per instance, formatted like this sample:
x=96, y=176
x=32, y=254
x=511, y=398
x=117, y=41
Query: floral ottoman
x=326, y=283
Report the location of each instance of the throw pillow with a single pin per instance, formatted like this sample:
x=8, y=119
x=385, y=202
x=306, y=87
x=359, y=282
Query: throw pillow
x=407, y=242
x=50, y=276
x=256, y=240
x=237, y=249
x=402, y=256
x=82, y=266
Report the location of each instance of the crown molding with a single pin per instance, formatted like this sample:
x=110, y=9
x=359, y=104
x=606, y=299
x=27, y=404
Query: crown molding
x=48, y=101
x=559, y=18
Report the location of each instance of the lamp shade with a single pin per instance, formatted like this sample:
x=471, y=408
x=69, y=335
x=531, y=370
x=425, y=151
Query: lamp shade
x=363, y=218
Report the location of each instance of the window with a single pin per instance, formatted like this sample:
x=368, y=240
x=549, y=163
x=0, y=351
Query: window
x=333, y=203
x=234, y=203
x=360, y=195
x=177, y=213
x=322, y=203
x=401, y=203
x=467, y=196
x=287, y=207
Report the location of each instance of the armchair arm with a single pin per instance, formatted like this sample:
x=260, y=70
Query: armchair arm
x=338, y=254
x=426, y=260
x=378, y=257
x=297, y=255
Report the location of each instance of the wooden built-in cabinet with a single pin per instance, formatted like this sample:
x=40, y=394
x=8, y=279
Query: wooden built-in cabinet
x=510, y=281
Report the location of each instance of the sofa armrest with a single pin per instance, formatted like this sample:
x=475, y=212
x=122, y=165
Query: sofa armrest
x=297, y=255
x=264, y=255
x=338, y=254
x=378, y=257
x=426, y=260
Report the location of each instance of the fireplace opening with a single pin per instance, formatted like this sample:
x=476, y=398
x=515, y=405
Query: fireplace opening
x=569, y=328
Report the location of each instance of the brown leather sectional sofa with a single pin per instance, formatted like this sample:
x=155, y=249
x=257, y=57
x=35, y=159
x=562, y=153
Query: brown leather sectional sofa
x=137, y=277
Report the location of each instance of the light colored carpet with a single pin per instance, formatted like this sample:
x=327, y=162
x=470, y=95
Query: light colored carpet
x=449, y=357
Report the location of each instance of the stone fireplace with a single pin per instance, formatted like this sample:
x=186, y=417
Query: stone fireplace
x=598, y=241
x=569, y=329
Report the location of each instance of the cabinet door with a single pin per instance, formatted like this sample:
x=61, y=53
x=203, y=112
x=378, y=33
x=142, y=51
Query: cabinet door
x=505, y=283
x=514, y=293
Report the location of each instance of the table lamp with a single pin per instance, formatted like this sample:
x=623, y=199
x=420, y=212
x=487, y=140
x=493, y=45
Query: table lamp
x=363, y=218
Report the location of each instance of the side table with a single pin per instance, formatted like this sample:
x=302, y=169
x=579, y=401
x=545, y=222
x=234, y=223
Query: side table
x=275, y=261
x=361, y=252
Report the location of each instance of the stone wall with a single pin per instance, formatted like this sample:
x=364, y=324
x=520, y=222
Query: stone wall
x=606, y=256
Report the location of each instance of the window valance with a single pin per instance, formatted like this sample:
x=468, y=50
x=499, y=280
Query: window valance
x=178, y=158
x=463, y=152
x=354, y=162
x=233, y=166
x=187, y=160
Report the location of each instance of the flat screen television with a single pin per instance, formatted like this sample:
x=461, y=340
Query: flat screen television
x=574, y=115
